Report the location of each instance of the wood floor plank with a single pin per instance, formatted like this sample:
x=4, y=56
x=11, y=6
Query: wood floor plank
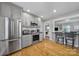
x=47, y=48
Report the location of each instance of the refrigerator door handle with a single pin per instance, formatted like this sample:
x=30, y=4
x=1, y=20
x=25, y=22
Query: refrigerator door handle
x=4, y=40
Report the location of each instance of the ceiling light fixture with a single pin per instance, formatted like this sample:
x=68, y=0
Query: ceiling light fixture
x=28, y=10
x=54, y=11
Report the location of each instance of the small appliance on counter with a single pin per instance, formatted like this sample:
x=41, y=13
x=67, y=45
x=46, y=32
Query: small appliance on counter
x=56, y=29
x=26, y=32
x=34, y=24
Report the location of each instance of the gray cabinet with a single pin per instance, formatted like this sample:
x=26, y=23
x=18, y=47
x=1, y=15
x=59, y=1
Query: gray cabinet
x=10, y=10
x=5, y=9
x=16, y=12
x=26, y=40
x=41, y=36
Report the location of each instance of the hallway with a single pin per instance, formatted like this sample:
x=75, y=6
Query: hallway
x=47, y=48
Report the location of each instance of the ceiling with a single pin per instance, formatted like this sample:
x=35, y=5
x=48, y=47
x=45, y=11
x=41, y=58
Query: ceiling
x=46, y=8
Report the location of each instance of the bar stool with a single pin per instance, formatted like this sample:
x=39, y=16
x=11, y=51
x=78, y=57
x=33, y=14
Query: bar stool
x=69, y=37
x=59, y=37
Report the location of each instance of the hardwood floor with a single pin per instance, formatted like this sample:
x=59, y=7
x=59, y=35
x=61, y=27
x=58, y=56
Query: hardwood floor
x=47, y=48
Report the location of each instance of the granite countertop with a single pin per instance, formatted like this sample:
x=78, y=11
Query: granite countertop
x=75, y=32
x=32, y=33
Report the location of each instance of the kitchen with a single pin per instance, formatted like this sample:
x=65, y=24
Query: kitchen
x=21, y=29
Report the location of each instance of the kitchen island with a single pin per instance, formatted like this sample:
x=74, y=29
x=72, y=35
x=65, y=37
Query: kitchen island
x=62, y=37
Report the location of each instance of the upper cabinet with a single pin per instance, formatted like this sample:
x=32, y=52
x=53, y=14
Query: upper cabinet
x=16, y=12
x=10, y=10
x=5, y=10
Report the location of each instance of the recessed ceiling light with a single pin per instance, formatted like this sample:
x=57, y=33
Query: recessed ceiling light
x=54, y=10
x=28, y=10
x=39, y=19
x=42, y=16
x=48, y=27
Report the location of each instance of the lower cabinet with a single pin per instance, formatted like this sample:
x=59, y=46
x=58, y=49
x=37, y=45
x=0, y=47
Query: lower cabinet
x=3, y=47
x=26, y=40
x=41, y=36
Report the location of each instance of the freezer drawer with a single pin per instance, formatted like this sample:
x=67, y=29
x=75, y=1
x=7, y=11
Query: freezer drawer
x=3, y=47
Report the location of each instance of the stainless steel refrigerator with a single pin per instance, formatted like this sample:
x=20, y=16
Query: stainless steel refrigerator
x=4, y=35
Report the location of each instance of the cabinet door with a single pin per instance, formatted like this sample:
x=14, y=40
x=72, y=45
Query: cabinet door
x=26, y=40
x=3, y=47
x=29, y=40
x=16, y=12
x=6, y=10
x=10, y=10
x=41, y=37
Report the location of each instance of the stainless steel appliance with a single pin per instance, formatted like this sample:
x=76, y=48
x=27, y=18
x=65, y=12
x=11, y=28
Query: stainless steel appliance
x=4, y=35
